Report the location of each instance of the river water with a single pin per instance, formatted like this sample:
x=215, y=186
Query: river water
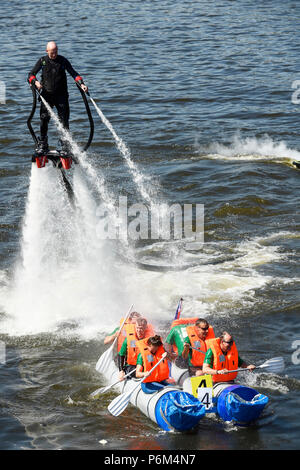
x=203, y=99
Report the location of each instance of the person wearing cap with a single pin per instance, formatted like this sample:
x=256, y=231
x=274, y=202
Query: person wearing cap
x=54, y=89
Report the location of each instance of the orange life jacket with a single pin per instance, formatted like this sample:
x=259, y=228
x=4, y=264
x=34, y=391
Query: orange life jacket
x=162, y=371
x=198, y=356
x=123, y=333
x=230, y=361
x=132, y=349
x=189, y=321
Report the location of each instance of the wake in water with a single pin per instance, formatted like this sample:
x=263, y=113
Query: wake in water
x=249, y=149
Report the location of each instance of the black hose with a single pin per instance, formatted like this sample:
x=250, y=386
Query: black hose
x=91, y=121
x=33, y=89
x=88, y=111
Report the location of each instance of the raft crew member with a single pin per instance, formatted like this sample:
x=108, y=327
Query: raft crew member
x=174, y=347
x=195, y=345
x=151, y=351
x=110, y=338
x=128, y=353
x=54, y=89
x=222, y=357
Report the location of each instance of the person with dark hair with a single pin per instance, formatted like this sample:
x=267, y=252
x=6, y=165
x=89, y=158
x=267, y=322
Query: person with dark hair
x=54, y=89
x=222, y=357
x=195, y=346
x=151, y=352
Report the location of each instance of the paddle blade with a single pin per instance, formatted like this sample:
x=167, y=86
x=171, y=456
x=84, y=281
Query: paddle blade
x=107, y=356
x=99, y=391
x=119, y=404
x=105, y=360
x=274, y=365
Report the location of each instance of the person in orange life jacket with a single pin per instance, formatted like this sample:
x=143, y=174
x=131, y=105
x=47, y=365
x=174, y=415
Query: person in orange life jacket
x=151, y=351
x=131, y=319
x=196, y=339
x=174, y=342
x=128, y=353
x=54, y=89
x=222, y=357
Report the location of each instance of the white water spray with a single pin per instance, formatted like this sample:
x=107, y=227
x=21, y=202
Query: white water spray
x=138, y=177
x=66, y=278
x=97, y=181
x=249, y=149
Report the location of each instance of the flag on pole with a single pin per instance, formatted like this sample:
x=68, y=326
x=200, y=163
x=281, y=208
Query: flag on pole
x=178, y=311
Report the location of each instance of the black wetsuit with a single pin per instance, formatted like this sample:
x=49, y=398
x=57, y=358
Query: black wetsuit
x=55, y=88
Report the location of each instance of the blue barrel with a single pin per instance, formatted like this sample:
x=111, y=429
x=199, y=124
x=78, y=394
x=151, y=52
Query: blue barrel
x=241, y=404
x=178, y=410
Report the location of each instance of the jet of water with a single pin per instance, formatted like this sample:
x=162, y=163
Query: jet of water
x=97, y=181
x=138, y=177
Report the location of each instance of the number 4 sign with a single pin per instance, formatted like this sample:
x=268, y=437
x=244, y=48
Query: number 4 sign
x=202, y=388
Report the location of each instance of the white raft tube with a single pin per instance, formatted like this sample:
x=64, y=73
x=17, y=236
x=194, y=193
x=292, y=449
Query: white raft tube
x=171, y=408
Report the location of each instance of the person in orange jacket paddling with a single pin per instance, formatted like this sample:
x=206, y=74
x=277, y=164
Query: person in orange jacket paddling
x=131, y=319
x=151, y=352
x=195, y=345
x=222, y=357
x=129, y=351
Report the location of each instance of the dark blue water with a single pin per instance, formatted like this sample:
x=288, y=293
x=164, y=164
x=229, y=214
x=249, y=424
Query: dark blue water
x=201, y=94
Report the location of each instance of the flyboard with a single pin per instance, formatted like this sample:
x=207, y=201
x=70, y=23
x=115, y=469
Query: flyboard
x=59, y=158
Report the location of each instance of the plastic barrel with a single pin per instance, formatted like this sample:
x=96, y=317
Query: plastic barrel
x=241, y=404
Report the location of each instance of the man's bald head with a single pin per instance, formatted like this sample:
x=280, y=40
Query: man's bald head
x=52, y=49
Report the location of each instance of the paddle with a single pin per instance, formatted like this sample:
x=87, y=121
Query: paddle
x=274, y=366
x=197, y=349
x=101, y=390
x=106, y=358
x=119, y=404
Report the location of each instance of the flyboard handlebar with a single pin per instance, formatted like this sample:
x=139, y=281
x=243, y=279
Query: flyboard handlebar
x=87, y=108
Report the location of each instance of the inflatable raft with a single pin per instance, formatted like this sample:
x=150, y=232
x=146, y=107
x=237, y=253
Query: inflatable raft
x=171, y=408
x=230, y=401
